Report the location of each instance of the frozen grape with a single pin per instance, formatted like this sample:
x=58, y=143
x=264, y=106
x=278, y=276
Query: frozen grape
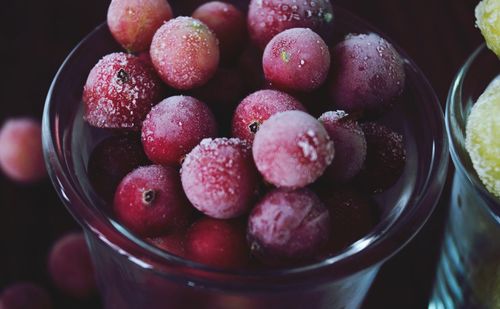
x=220, y=178
x=385, y=158
x=483, y=137
x=288, y=225
x=25, y=295
x=70, y=266
x=296, y=59
x=174, y=127
x=134, y=22
x=150, y=201
x=352, y=214
x=292, y=149
x=111, y=160
x=185, y=53
x=267, y=18
x=119, y=92
x=367, y=74
x=257, y=108
x=219, y=243
x=488, y=20
x=21, y=155
x=350, y=146
x=229, y=25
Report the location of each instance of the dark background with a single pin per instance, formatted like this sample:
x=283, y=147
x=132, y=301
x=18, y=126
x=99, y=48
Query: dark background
x=36, y=36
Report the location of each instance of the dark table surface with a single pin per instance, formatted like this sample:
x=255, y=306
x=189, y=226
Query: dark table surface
x=36, y=36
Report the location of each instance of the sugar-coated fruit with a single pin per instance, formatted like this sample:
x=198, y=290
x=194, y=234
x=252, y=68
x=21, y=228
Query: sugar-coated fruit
x=21, y=154
x=174, y=127
x=134, y=22
x=292, y=149
x=367, y=74
x=267, y=18
x=353, y=214
x=483, y=137
x=220, y=178
x=119, y=92
x=488, y=20
x=150, y=201
x=217, y=243
x=25, y=295
x=70, y=266
x=296, y=59
x=350, y=146
x=385, y=158
x=288, y=225
x=111, y=160
x=185, y=53
x=172, y=243
x=257, y=108
x=229, y=25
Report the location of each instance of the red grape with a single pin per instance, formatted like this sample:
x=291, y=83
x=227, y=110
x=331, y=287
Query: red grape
x=219, y=243
x=257, y=108
x=21, y=155
x=288, y=225
x=174, y=127
x=134, y=22
x=185, y=53
x=119, y=92
x=267, y=18
x=368, y=74
x=150, y=201
x=229, y=25
x=70, y=266
x=292, y=149
x=220, y=178
x=296, y=59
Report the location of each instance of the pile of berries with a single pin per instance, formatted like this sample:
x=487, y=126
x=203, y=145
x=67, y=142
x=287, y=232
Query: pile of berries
x=230, y=169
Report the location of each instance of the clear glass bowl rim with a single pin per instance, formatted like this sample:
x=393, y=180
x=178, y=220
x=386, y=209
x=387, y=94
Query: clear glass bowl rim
x=137, y=251
x=455, y=120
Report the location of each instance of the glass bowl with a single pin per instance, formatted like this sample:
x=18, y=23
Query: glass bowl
x=469, y=267
x=133, y=274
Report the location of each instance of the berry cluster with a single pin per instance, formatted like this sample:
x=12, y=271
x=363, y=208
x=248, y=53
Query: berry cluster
x=237, y=170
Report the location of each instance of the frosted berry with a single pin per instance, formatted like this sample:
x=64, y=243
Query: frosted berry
x=150, y=201
x=368, y=74
x=220, y=178
x=21, y=155
x=218, y=243
x=385, y=158
x=296, y=59
x=350, y=145
x=119, y=92
x=292, y=149
x=134, y=22
x=174, y=127
x=70, y=266
x=229, y=25
x=288, y=225
x=185, y=53
x=257, y=108
x=267, y=18
x=25, y=295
